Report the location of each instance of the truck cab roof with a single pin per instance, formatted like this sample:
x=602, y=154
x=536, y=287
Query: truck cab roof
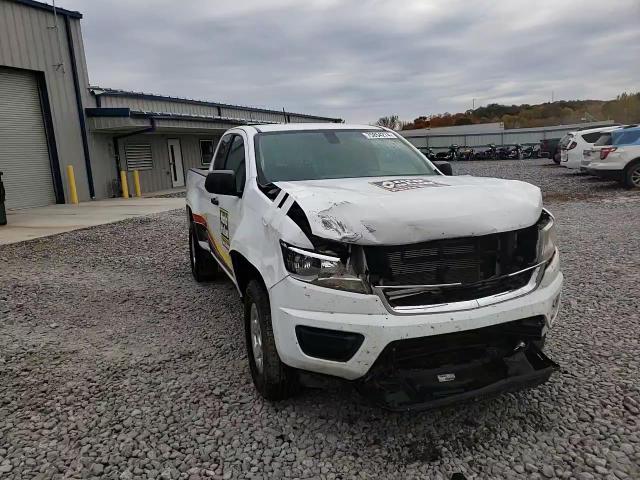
x=291, y=127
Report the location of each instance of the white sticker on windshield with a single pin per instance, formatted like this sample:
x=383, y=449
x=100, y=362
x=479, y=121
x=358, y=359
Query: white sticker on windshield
x=378, y=135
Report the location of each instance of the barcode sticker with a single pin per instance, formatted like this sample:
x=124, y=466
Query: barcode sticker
x=378, y=135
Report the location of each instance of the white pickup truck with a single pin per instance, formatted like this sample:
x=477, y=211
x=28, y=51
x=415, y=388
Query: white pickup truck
x=358, y=258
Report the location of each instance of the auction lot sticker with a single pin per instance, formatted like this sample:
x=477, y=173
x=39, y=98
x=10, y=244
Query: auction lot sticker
x=224, y=227
x=403, y=184
x=378, y=135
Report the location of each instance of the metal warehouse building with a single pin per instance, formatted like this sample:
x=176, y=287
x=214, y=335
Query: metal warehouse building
x=481, y=135
x=50, y=117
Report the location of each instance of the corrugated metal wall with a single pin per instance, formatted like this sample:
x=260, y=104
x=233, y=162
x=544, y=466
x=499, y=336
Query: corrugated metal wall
x=158, y=105
x=159, y=177
x=506, y=137
x=192, y=124
x=28, y=42
x=456, y=130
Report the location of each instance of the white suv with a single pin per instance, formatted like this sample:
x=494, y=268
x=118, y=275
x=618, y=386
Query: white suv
x=573, y=145
x=593, y=154
x=621, y=160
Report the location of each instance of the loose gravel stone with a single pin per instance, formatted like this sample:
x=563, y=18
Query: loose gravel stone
x=145, y=375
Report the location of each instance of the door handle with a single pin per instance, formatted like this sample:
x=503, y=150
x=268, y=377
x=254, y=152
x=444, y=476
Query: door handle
x=215, y=201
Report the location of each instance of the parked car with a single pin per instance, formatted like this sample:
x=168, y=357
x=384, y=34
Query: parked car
x=575, y=143
x=549, y=149
x=358, y=258
x=592, y=154
x=620, y=160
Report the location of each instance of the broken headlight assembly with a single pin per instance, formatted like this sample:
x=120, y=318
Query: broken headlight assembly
x=546, y=236
x=322, y=269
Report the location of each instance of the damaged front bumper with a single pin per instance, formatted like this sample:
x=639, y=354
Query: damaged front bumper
x=365, y=326
x=426, y=373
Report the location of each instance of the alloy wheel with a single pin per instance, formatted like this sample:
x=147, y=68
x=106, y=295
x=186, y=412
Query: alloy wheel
x=256, y=337
x=635, y=176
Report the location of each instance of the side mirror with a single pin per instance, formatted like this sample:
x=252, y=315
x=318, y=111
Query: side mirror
x=444, y=167
x=221, y=182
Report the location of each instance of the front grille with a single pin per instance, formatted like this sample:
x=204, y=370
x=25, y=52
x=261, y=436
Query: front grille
x=403, y=297
x=455, y=270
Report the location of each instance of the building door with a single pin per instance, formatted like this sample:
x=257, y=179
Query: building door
x=175, y=163
x=24, y=154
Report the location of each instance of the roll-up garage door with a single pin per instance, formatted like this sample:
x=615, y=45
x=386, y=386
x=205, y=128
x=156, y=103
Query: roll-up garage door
x=24, y=156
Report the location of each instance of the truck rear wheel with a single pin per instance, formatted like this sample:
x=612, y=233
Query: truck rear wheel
x=203, y=266
x=273, y=379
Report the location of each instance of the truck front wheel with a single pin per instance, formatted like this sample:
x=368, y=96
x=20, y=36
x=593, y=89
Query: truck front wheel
x=272, y=378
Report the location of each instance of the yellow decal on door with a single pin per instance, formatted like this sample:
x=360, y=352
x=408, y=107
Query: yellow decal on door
x=224, y=227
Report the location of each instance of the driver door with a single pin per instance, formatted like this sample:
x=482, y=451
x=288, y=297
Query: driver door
x=228, y=206
x=213, y=208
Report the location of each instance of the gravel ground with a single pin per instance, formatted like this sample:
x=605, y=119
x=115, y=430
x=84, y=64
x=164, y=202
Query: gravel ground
x=178, y=194
x=114, y=363
x=557, y=183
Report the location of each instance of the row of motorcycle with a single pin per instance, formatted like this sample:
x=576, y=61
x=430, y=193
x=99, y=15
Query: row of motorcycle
x=457, y=153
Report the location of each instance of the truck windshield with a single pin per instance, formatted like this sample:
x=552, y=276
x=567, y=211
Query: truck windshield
x=326, y=154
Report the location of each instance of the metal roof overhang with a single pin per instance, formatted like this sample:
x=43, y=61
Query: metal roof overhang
x=125, y=120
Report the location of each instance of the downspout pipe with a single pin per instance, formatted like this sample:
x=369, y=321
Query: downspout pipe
x=83, y=126
x=116, y=145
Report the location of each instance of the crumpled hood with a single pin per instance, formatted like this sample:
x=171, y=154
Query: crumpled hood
x=395, y=210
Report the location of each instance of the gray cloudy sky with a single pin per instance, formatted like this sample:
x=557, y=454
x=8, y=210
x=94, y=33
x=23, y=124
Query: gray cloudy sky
x=359, y=60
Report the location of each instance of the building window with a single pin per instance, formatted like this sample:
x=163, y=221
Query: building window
x=206, y=152
x=138, y=156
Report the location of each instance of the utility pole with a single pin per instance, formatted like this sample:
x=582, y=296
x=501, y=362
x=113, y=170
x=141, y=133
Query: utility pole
x=551, y=96
x=473, y=107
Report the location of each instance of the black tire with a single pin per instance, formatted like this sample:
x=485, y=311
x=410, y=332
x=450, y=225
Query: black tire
x=273, y=379
x=203, y=266
x=632, y=175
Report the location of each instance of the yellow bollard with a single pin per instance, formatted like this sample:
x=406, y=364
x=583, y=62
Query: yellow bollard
x=136, y=183
x=73, y=192
x=125, y=185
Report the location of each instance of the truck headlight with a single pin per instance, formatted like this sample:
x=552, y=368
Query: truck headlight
x=321, y=269
x=546, y=237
